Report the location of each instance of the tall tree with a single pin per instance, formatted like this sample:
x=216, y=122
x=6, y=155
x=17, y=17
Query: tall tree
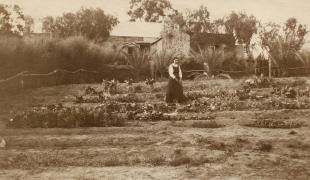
x=29, y=23
x=91, y=23
x=149, y=10
x=198, y=21
x=94, y=23
x=243, y=26
x=48, y=24
x=12, y=20
x=66, y=25
x=284, y=43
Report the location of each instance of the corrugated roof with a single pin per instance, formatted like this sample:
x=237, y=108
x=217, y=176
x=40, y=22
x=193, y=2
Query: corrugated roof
x=137, y=29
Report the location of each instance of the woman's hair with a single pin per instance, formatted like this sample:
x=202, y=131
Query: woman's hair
x=179, y=57
x=176, y=58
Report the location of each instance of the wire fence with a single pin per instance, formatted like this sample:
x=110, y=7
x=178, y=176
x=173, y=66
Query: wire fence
x=275, y=71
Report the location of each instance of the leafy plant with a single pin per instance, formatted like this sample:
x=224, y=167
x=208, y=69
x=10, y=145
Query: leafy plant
x=283, y=43
x=161, y=62
x=139, y=60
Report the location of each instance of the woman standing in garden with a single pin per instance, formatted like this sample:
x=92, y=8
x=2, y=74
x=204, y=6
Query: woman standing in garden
x=175, y=88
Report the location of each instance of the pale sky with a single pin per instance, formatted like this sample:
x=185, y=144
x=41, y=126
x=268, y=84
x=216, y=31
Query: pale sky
x=265, y=10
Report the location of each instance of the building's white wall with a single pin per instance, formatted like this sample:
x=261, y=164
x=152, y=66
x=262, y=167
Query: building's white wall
x=176, y=42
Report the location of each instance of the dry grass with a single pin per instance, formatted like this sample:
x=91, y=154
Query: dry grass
x=207, y=124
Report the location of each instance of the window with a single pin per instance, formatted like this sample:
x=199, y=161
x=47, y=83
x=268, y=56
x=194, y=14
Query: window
x=145, y=48
x=130, y=50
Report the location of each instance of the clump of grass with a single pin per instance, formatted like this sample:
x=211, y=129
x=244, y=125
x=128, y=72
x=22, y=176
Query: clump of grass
x=113, y=161
x=134, y=161
x=273, y=123
x=157, y=160
x=177, y=151
x=298, y=145
x=207, y=124
x=160, y=96
x=214, y=145
x=137, y=89
x=234, y=146
x=157, y=89
x=264, y=146
x=128, y=98
x=34, y=160
x=180, y=160
x=198, y=161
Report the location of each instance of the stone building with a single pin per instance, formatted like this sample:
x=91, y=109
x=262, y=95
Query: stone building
x=149, y=37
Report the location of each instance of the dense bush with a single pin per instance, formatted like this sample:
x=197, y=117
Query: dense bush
x=43, y=55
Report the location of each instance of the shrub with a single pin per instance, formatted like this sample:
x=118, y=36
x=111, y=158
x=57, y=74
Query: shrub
x=139, y=60
x=47, y=54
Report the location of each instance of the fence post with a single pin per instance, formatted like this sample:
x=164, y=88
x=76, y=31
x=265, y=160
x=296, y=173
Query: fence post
x=269, y=67
x=22, y=84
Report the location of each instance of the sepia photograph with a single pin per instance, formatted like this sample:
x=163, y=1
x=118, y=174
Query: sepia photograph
x=154, y=90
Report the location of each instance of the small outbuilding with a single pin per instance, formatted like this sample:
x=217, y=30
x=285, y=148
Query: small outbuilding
x=149, y=37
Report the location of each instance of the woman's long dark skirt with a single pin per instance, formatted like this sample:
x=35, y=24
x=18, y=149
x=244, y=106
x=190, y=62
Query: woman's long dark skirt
x=174, y=92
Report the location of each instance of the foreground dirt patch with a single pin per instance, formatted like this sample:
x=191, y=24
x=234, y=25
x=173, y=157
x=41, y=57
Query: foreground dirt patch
x=157, y=151
x=270, y=143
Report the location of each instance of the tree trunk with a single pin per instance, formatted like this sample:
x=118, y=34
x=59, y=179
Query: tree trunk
x=269, y=67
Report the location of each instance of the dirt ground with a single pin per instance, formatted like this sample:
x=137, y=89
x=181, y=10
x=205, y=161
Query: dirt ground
x=154, y=150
